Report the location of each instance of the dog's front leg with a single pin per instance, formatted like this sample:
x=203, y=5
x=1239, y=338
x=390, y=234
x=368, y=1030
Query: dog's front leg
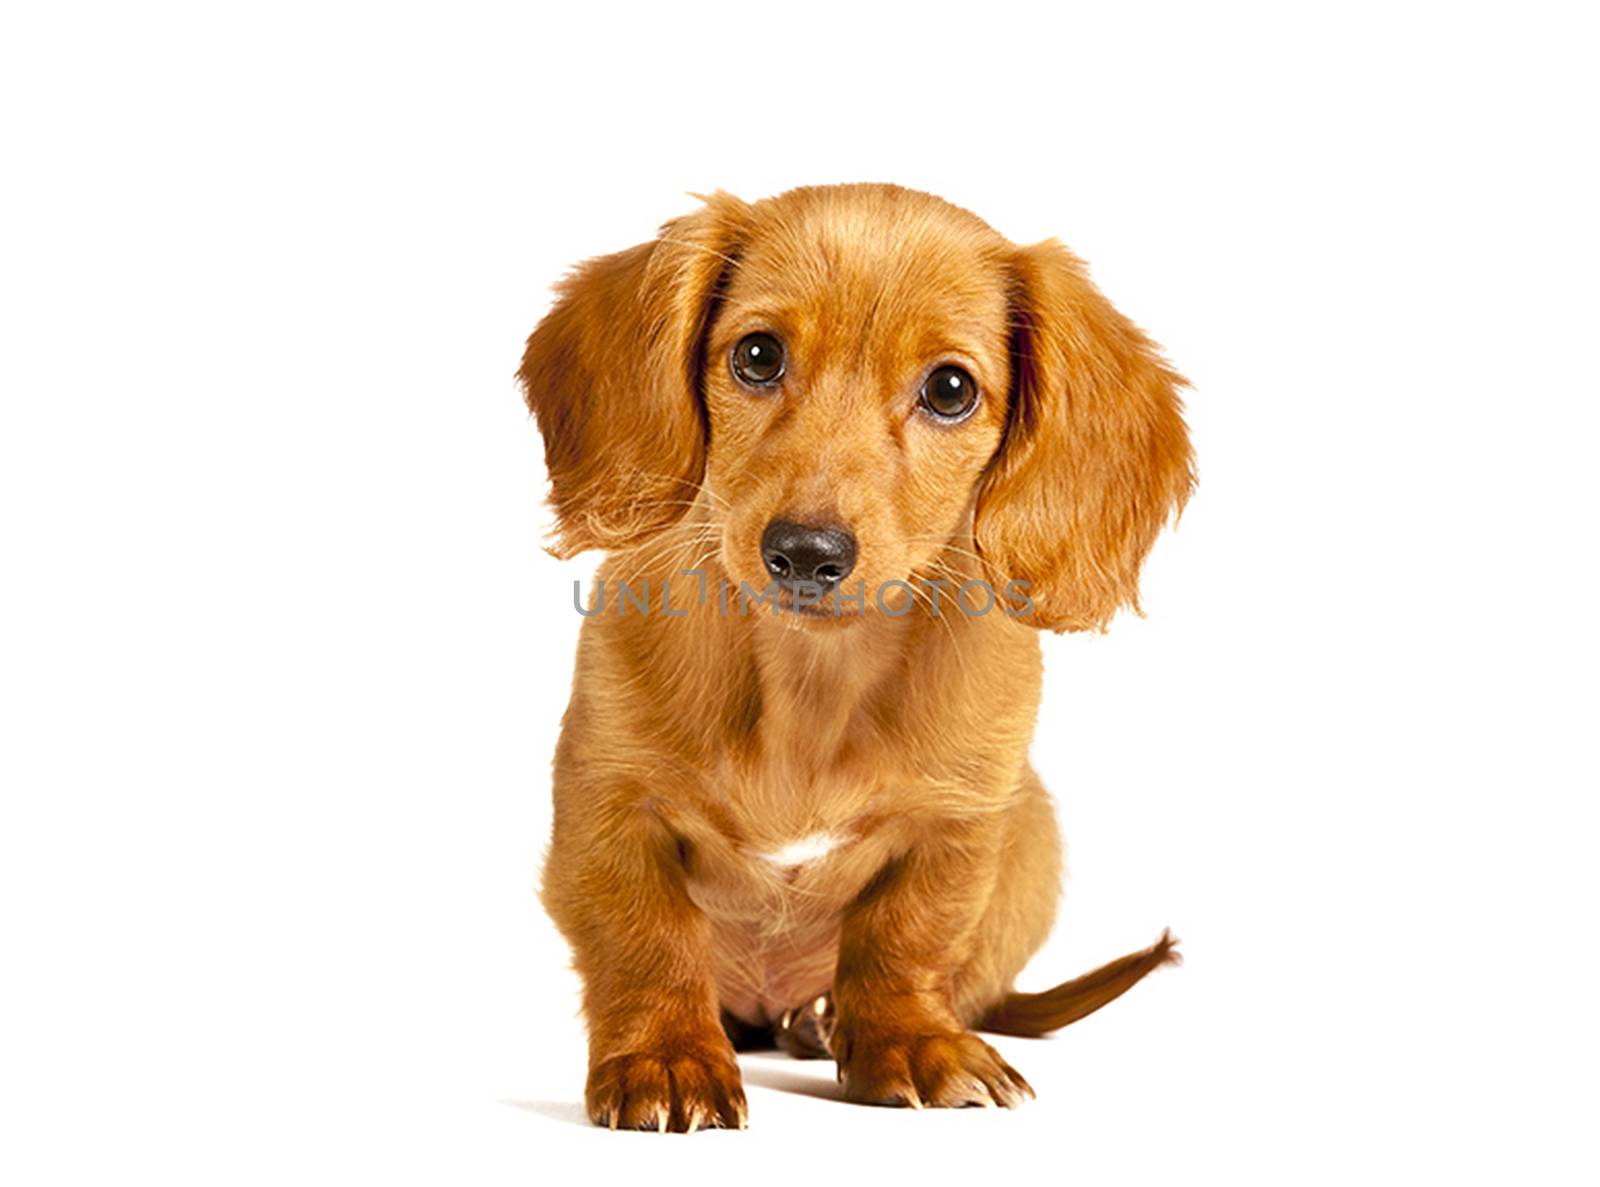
x=897, y=1037
x=658, y=1058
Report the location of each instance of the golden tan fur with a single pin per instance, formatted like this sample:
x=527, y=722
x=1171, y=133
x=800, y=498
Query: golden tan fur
x=695, y=744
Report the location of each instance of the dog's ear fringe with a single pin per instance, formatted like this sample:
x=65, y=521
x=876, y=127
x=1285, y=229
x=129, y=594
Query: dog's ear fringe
x=1095, y=459
x=611, y=376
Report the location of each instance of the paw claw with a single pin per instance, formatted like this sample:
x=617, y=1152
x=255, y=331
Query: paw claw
x=950, y=1070
x=684, y=1089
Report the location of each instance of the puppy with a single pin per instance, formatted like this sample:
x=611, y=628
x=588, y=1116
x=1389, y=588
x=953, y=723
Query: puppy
x=817, y=434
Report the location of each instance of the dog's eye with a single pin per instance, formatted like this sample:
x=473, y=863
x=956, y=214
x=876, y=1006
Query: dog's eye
x=949, y=393
x=758, y=360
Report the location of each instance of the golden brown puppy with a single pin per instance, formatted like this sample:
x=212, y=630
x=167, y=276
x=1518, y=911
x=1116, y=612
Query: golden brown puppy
x=813, y=814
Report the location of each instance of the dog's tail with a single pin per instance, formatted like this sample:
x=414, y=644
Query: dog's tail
x=1035, y=1014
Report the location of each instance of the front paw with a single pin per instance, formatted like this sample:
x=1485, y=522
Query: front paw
x=943, y=1070
x=677, y=1086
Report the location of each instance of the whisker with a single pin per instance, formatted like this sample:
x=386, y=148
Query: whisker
x=647, y=555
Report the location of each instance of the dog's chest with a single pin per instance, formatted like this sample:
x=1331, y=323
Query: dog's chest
x=793, y=844
x=785, y=846
x=794, y=856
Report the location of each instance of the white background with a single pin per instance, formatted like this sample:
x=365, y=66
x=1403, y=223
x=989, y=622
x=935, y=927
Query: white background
x=283, y=662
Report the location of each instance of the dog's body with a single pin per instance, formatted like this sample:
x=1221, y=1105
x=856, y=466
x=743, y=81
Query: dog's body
x=758, y=806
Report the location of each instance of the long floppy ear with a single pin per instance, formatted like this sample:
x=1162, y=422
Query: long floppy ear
x=1095, y=457
x=612, y=375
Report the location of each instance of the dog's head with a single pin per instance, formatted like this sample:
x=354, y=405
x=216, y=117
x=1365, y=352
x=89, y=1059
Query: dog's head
x=850, y=380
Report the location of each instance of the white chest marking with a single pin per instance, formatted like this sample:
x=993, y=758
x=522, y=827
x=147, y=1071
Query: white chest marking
x=806, y=849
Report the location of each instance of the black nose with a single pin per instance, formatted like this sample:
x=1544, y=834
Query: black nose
x=794, y=553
